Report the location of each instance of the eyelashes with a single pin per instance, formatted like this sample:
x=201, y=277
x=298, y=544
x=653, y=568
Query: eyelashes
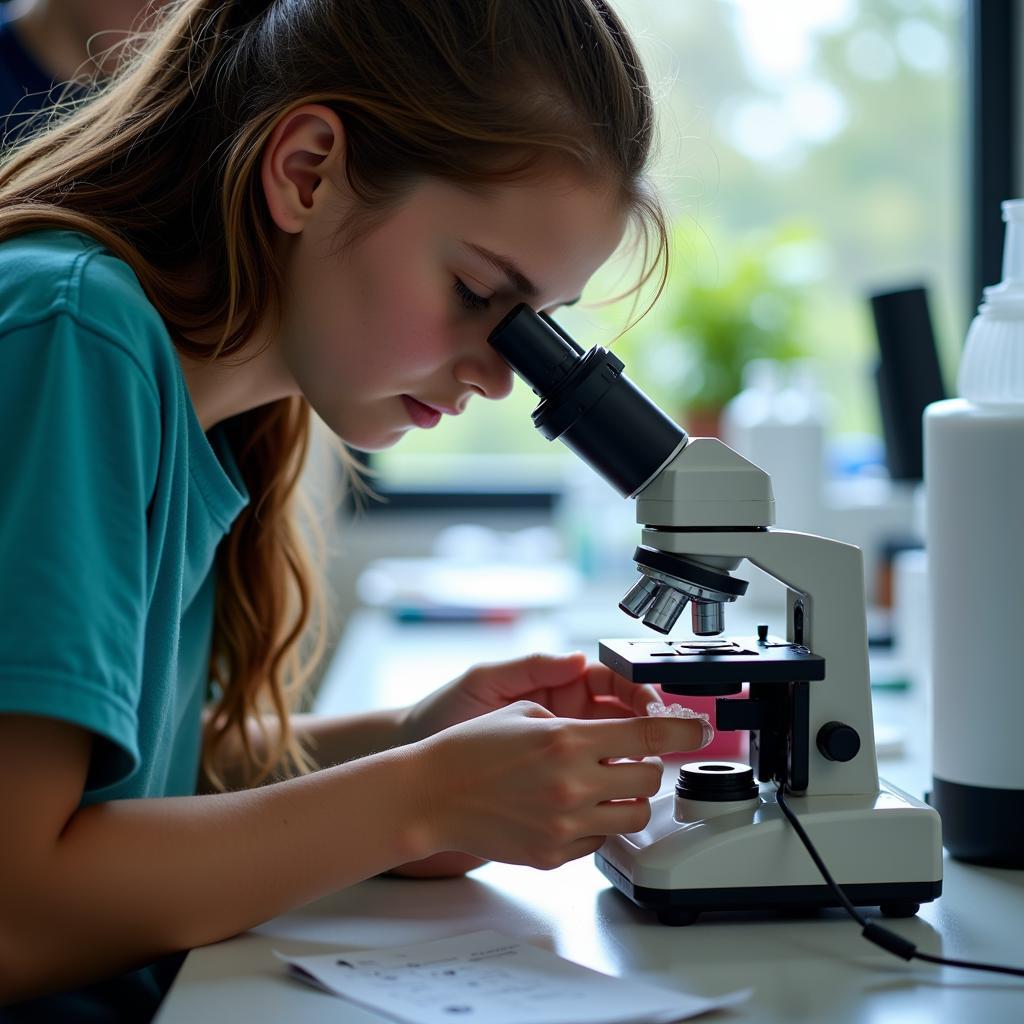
x=468, y=298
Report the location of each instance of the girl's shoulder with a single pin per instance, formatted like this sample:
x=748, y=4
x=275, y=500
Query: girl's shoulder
x=36, y=257
x=45, y=250
x=54, y=273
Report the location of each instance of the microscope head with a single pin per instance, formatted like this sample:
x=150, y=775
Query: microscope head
x=679, y=484
x=707, y=487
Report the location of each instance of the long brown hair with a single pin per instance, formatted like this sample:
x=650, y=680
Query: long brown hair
x=161, y=165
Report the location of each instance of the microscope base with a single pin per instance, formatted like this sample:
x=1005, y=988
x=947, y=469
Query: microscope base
x=884, y=850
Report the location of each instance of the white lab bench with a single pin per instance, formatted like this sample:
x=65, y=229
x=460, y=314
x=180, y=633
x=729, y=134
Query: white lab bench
x=801, y=969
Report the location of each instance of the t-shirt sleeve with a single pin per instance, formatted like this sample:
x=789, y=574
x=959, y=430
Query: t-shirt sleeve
x=80, y=430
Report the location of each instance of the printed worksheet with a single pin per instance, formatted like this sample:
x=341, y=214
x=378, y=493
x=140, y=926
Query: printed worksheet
x=490, y=978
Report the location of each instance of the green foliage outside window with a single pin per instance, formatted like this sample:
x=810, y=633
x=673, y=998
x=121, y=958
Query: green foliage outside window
x=753, y=309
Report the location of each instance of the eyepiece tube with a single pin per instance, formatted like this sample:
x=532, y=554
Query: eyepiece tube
x=540, y=354
x=587, y=401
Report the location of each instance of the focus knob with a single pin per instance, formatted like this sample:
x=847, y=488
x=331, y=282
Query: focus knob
x=838, y=741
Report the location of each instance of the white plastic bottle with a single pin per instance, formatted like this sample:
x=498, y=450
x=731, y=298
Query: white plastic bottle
x=974, y=478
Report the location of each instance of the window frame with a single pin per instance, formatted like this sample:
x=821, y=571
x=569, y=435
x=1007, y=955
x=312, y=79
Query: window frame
x=993, y=131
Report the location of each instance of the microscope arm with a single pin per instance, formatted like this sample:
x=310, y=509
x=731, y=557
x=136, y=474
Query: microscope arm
x=826, y=613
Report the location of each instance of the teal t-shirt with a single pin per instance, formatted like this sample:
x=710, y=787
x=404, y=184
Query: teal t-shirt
x=113, y=503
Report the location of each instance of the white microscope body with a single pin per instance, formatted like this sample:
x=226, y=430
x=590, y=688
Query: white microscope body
x=714, y=509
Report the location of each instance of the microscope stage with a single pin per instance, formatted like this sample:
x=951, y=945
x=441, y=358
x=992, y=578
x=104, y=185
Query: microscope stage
x=711, y=661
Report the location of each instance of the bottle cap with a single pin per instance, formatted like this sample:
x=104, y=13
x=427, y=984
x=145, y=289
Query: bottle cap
x=1007, y=297
x=992, y=367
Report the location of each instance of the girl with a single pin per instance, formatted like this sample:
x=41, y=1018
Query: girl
x=278, y=207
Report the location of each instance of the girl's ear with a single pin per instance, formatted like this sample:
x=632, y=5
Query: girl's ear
x=306, y=146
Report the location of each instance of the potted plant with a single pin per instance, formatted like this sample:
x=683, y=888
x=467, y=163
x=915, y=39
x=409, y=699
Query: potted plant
x=724, y=309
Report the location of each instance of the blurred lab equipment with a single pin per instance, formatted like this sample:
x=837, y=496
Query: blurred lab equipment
x=908, y=376
x=475, y=574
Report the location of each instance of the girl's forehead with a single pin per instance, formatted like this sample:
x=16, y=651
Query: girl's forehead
x=554, y=230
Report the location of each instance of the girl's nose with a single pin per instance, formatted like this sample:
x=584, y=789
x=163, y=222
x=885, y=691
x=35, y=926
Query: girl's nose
x=487, y=373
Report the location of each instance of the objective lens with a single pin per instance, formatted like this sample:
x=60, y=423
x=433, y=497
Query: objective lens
x=708, y=618
x=639, y=596
x=666, y=608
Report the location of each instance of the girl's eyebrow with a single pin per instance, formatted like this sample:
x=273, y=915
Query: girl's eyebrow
x=519, y=281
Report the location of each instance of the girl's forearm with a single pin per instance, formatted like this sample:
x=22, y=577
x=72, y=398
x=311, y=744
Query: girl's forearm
x=333, y=740
x=329, y=740
x=131, y=880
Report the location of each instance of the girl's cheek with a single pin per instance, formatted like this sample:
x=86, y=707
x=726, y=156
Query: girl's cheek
x=422, y=333
x=424, y=351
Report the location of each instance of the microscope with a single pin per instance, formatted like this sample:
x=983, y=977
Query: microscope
x=721, y=842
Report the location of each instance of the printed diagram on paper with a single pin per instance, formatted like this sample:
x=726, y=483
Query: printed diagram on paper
x=490, y=978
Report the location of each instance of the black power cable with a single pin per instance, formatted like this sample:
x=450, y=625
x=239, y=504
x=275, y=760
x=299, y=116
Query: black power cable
x=875, y=933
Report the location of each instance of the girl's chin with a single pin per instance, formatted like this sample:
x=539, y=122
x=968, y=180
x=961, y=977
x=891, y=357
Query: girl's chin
x=376, y=442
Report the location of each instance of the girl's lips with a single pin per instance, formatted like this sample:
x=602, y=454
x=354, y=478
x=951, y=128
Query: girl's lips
x=420, y=414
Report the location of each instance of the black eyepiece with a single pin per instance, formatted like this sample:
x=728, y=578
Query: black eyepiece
x=539, y=353
x=587, y=401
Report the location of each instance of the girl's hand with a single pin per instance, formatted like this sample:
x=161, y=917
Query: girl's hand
x=566, y=685
x=442, y=865
x=522, y=786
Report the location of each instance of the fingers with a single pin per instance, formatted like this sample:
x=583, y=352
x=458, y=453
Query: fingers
x=642, y=737
x=628, y=788
x=543, y=670
x=609, y=708
x=528, y=708
x=603, y=682
x=630, y=779
x=509, y=679
x=573, y=851
x=644, y=695
x=622, y=817
x=613, y=696
x=619, y=819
